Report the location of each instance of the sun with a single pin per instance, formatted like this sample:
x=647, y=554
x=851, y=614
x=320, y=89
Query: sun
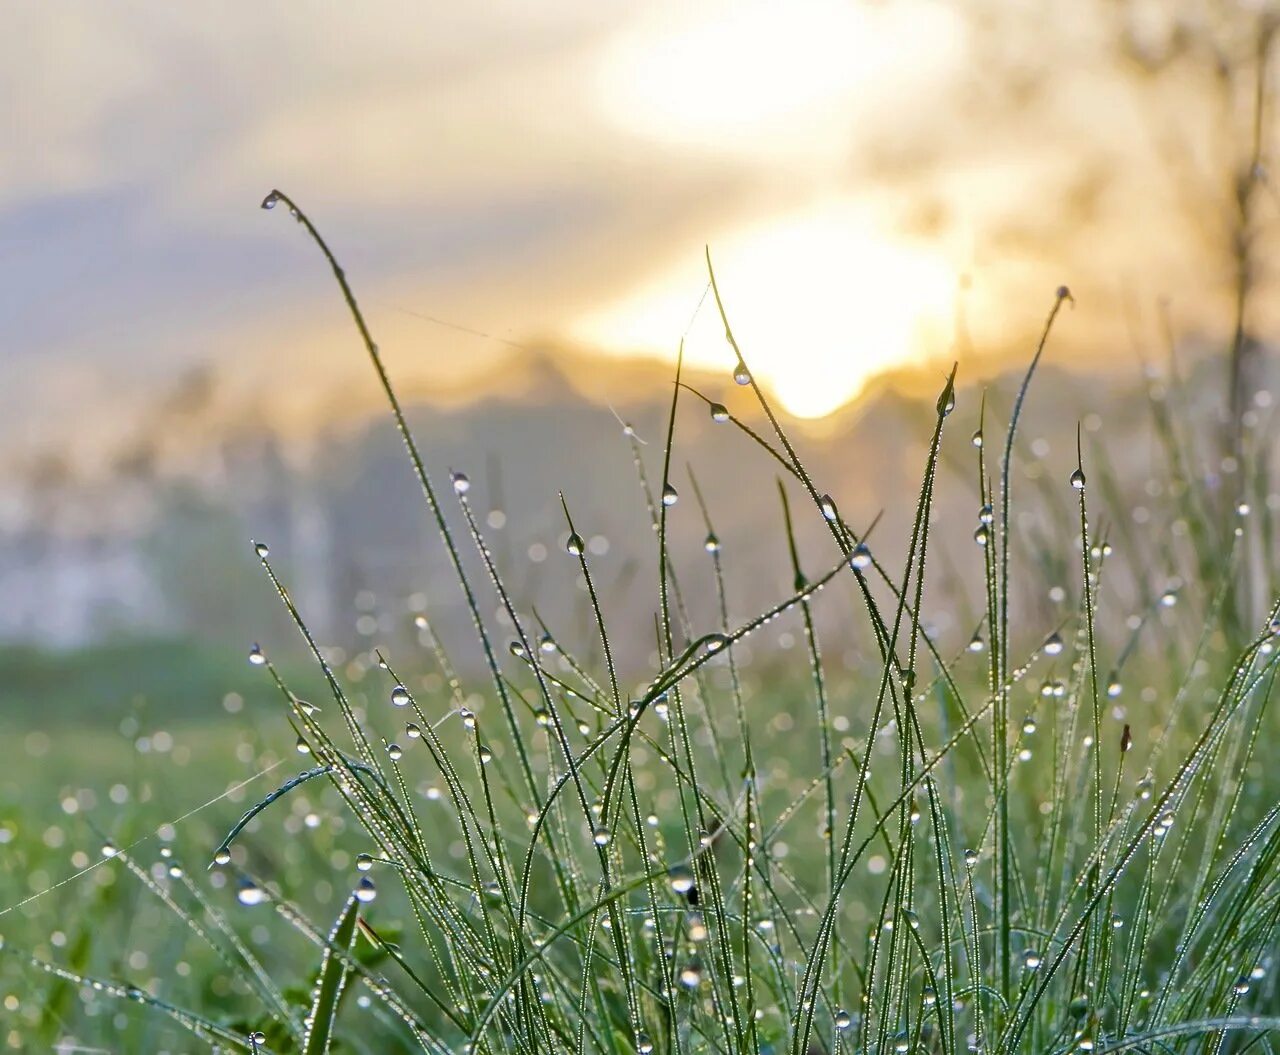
x=820, y=303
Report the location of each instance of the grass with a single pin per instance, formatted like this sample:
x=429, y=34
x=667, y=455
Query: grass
x=1044, y=839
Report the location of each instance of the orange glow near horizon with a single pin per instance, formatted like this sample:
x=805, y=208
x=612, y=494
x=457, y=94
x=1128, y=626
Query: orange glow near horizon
x=819, y=302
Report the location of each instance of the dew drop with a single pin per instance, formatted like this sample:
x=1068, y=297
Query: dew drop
x=269, y=202
x=691, y=976
x=400, y=696
x=1168, y=599
x=643, y=1044
x=861, y=557
x=669, y=495
x=412, y=731
x=828, y=506
x=600, y=836
x=364, y=862
x=222, y=857
x=970, y=858
x=976, y=644
x=986, y=515
x=366, y=890
x=546, y=644
x=461, y=483
x=982, y=534
x=250, y=893
x=1031, y=960
x=1053, y=644
x=681, y=878
x=719, y=413
x=712, y=543
x=256, y=657
x=574, y=545
x=715, y=642
x=1077, y=480
x=262, y=549
x=741, y=375
x=843, y=1019
x=303, y=747
x=976, y=438
x=394, y=752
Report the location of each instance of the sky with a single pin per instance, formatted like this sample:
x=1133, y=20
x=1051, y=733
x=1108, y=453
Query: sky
x=880, y=183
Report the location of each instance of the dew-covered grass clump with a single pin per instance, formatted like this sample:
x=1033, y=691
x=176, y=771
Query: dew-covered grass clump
x=1026, y=838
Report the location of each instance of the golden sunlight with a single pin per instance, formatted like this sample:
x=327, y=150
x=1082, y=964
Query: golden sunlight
x=820, y=303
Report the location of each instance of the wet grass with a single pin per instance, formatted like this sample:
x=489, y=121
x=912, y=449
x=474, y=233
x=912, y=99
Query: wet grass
x=1032, y=838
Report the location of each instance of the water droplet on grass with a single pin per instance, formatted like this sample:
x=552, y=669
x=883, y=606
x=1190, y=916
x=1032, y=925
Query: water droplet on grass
x=400, y=696
x=270, y=201
x=262, y=549
x=741, y=375
x=719, y=413
x=256, y=657
x=843, y=1019
x=363, y=862
x=1077, y=480
x=691, y=976
x=712, y=544
x=461, y=483
x=574, y=545
x=1053, y=644
x=366, y=890
x=681, y=878
x=394, y=752
x=251, y=894
x=600, y=836
x=861, y=557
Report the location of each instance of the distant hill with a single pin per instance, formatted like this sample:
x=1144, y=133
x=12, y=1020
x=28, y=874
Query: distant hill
x=160, y=545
